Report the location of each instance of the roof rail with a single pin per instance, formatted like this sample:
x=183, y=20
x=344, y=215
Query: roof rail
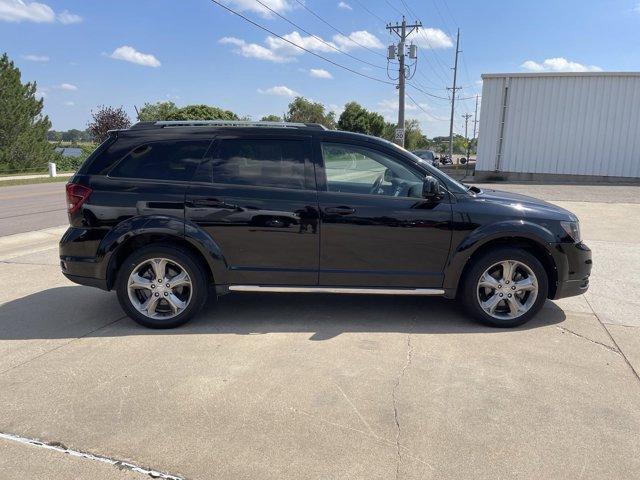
x=225, y=123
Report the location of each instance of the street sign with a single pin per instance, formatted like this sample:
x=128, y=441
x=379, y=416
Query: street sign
x=400, y=134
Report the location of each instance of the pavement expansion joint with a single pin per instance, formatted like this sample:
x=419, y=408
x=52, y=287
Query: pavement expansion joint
x=611, y=349
x=59, y=447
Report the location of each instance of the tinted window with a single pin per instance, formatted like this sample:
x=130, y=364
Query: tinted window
x=354, y=169
x=266, y=163
x=166, y=160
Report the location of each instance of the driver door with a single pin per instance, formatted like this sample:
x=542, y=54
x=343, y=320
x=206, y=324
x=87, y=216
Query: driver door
x=376, y=229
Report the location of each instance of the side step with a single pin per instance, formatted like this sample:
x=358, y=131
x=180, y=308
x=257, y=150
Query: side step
x=349, y=291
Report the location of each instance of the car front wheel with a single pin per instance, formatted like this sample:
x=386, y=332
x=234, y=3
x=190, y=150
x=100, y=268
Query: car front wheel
x=505, y=287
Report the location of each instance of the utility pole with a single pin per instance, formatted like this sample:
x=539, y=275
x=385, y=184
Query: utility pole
x=453, y=95
x=398, y=51
x=466, y=117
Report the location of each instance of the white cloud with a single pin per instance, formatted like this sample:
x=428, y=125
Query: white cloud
x=69, y=104
x=67, y=18
x=130, y=54
x=41, y=93
x=344, y=6
x=284, y=49
x=432, y=38
x=636, y=9
x=320, y=73
x=279, y=90
x=67, y=86
x=558, y=64
x=360, y=38
x=279, y=6
x=253, y=50
x=25, y=11
x=315, y=44
x=36, y=58
x=20, y=11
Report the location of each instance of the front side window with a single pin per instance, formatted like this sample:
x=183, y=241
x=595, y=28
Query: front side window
x=163, y=160
x=261, y=162
x=355, y=169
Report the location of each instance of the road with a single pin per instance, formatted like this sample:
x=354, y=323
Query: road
x=24, y=208
x=294, y=386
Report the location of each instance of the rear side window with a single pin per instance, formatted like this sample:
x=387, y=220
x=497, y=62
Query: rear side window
x=258, y=162
x=164, y=160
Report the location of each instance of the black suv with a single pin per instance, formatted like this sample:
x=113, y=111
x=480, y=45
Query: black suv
x=166, y=212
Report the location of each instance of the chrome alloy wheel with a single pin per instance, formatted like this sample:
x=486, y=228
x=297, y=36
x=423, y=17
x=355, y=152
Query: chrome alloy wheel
x=507, y=289
x=159, y=288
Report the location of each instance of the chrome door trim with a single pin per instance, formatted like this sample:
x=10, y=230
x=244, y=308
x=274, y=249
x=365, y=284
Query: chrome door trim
x=349, y=291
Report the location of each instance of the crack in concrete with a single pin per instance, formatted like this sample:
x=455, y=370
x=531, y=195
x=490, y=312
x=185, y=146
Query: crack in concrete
x=395, y=403
x=611, y=349
x=631, y=367
x=61, y=448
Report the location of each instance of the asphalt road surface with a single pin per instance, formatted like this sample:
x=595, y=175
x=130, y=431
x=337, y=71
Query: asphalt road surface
x=24, y=208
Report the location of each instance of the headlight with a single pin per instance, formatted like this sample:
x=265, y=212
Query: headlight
x=573, y=230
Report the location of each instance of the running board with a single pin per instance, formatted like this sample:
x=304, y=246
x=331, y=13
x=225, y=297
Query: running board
x=349, y=291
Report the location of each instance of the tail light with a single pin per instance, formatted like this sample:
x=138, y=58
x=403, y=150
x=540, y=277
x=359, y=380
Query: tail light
x=76, y=196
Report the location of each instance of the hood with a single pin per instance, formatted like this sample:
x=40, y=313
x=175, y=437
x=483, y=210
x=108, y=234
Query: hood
x=527, y=206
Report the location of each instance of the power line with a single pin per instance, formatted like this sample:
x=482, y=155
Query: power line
x=301, y=47
x=369, y=11
x=302, y=4
x=433, y=117
x=320, y=39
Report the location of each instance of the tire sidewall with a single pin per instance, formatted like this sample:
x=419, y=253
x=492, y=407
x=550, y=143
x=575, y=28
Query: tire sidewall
x=470, y=297
x=180, y=256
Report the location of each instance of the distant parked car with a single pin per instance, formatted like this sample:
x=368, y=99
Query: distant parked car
x=428, y=156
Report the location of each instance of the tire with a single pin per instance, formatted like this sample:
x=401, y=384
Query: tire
x=190, y=292
x=507, y=310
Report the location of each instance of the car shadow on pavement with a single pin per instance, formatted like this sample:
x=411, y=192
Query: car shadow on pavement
x=75, y=311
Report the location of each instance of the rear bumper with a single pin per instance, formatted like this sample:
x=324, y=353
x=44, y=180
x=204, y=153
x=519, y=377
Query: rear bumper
x=573, y=262
x=78, y=260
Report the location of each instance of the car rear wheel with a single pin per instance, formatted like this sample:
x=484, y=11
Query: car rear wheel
x=505, y=287
x=161, y=286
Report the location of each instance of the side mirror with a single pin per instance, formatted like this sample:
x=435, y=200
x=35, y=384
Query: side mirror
x=431, y=188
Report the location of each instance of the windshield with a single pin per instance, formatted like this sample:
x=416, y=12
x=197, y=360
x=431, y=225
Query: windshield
x=451, y=183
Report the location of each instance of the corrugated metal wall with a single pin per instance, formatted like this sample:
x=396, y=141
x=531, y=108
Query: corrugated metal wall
x=578, y=124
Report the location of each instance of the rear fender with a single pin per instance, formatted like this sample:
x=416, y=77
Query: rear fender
x=164, y=226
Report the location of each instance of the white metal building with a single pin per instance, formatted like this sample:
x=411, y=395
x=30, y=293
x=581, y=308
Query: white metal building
x=538, y=125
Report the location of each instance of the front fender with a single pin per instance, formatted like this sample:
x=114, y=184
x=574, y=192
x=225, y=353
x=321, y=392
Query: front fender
x=161, y=225
x=507, y=229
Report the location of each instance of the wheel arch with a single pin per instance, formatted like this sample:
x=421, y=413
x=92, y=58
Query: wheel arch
x=137, y=232
x=535, y=240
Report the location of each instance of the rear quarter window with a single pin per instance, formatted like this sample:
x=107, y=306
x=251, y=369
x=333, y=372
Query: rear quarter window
x=162, y=160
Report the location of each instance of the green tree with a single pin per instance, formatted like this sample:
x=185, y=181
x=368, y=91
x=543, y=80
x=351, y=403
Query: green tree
x=305, y=111
x=154, y=112
x=105, y=119
x=271, y=118
x=72, y=135
x=356, y=118
x=23, y=128
x=202, y=112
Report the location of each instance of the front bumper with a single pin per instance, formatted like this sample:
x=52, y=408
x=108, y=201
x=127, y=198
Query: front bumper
x=573, y=263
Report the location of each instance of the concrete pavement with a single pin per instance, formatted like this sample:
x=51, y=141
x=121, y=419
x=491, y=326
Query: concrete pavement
x=291, y=386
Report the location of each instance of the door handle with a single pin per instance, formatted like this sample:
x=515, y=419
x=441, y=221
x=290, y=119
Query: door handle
x=340, y=210
x=211, y=203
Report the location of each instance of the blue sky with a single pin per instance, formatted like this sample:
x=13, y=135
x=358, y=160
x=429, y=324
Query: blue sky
x=128, y=52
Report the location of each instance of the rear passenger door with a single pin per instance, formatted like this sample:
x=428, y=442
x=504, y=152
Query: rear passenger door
x=256, y=197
